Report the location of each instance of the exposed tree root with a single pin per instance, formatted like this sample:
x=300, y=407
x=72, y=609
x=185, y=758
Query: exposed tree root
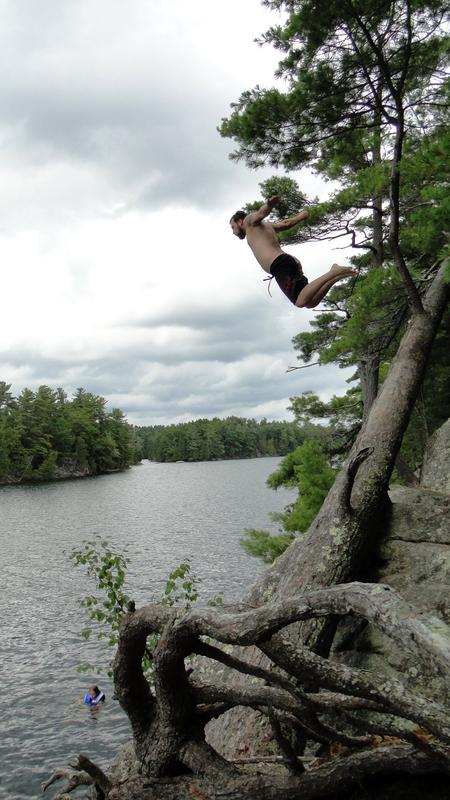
x=168, y=724
x=324, y=779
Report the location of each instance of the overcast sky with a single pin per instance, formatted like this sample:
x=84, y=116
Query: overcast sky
x=119, y=270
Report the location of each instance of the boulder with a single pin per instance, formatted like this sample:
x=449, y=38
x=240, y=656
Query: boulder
x=435, y=473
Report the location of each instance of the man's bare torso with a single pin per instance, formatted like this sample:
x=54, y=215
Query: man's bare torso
x=263, y=241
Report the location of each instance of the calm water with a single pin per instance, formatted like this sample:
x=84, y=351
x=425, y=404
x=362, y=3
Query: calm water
x=159, y=514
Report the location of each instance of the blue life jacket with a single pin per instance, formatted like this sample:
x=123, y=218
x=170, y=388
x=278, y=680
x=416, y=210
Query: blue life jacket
x=93, y=701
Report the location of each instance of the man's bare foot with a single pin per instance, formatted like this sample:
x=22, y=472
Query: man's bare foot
x=337, y=269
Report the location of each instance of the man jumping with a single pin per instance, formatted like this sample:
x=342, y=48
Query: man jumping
x=286, y=269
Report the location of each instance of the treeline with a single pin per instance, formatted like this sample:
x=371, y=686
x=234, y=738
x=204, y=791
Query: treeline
x=214, y=439
x=46, y=435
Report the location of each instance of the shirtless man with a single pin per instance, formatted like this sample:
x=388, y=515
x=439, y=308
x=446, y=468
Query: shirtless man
x=286, y=269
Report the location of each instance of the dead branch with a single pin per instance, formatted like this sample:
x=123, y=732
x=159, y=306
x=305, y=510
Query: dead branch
x=303, y=366
x=287, y=751
x=375, y=602
x=391, y=694
x=73, y=779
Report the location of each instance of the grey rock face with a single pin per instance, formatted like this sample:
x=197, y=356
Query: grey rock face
x=415, y=561
x=435, y=472
x=69, y=468
x=419, y=515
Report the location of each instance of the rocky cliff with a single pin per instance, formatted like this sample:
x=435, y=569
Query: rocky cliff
x=414, y=559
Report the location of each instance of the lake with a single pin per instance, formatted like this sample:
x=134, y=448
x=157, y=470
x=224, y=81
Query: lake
x=159, y=515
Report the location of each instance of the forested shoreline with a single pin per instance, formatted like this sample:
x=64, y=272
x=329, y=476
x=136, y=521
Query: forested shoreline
x=44, y=435
x=216, y=439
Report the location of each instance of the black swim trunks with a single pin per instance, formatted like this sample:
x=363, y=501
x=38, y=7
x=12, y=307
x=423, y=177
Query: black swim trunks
x=288, y=273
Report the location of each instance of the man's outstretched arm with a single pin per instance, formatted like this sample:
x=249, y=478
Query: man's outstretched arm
x=257, y=216
x=285, y=224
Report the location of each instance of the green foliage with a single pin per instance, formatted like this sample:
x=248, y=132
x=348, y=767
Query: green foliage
x=291, y=200
x=105, y=608
x=374, y=308
x=307, y=470
x=265, y=545
x=342, y=70
x=371, y=321
x=107, y=568
x=426, y=174
x=209, y=440
x=344, y=414
x=42, y=430
x=181, y=586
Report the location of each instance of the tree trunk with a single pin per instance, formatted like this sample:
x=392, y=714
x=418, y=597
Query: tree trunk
x=368, y=374
x=369, y=367
x=340, y=542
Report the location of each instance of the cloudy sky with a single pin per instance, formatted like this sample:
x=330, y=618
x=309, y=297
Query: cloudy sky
x=119, y=272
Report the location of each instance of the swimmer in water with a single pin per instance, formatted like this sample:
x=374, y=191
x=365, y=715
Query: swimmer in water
x=94, y=696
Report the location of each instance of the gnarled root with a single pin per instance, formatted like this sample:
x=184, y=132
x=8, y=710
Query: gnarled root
x=374, y=724
x=74, y=780
x=83, y=773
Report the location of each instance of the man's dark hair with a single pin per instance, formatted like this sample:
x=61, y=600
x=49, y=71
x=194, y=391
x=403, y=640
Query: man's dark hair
x=237, y=216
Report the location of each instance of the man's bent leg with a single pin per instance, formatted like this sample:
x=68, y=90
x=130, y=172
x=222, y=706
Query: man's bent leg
x=315, y=291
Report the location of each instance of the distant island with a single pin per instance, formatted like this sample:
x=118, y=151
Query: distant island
x=216, y=439
x=44, y=436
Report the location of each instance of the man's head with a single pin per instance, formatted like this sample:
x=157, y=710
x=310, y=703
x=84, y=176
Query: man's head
x=237, y=224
